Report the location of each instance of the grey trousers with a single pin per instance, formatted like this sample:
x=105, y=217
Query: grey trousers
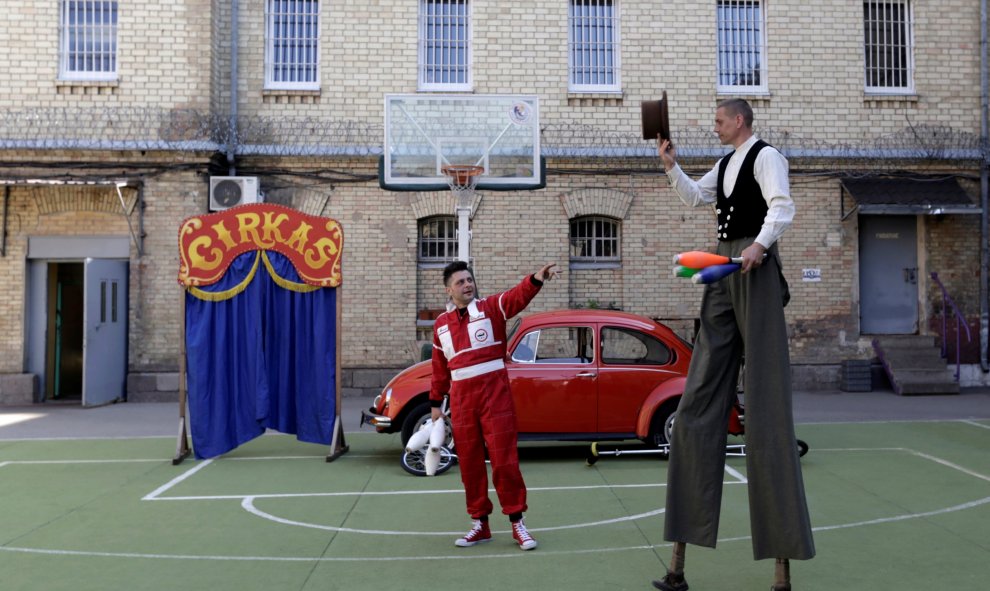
x=740, y=313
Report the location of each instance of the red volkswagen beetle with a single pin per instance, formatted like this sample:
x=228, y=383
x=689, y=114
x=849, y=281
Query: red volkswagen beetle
x=579, y=375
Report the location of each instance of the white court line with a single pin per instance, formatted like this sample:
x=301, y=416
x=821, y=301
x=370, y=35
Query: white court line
x=894, y=518
x=735, y=474
x=92, y=438
x=975, y=424
x=159, y=460
x=248, y=505
x=154, y=494
x=913, y=452
x=417, y=558
x=388, y=493
x=463, y=556
x=459, y=556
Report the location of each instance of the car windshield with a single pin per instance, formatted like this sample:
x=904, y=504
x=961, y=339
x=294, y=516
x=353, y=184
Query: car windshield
x=513, y=329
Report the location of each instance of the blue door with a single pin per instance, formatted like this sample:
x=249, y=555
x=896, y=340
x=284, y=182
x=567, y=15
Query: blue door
x=104, y=331
x=888, y=274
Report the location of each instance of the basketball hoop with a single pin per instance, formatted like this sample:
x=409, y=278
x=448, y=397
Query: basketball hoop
x=463, y=178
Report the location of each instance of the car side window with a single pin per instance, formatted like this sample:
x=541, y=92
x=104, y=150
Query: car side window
x=557, y=344
x=623, y=346
x=525, y=351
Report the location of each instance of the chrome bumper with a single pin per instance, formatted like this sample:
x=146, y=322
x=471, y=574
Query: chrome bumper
x=377, y=421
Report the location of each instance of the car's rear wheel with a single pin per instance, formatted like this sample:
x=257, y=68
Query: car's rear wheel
x=662, y=425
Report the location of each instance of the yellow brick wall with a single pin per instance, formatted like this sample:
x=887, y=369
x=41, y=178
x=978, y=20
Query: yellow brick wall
x=174, y=55
x=164, y=51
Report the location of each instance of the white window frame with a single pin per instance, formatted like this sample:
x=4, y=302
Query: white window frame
x=428, y=41
x=104, y=35
x=450, y=242
x=294, y=59
x=594, y=52
x=744, y=42
x=905, y=70
x=597, y=240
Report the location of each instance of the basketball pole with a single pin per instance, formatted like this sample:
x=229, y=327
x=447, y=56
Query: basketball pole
x=462, y=180
x=463, y=212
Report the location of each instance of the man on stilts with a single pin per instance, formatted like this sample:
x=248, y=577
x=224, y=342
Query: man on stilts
x=742, y=313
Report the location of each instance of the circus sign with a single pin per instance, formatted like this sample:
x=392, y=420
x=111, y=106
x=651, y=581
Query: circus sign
x=209, y=243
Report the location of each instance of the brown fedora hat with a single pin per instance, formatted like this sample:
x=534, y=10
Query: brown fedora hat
x=656, y=123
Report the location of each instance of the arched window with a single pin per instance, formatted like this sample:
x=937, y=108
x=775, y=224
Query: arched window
x=595, y=239
x=438, y=239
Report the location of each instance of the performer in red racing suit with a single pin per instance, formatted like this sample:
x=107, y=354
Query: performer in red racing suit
x=468, y=352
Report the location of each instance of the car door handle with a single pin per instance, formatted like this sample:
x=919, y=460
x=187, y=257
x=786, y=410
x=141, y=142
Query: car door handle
x=586, y=374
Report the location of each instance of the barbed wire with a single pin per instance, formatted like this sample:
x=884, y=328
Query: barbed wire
x=139, y=128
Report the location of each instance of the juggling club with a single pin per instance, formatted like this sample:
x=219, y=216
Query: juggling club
x=697, y=259
x=419, y=438
x=713, y=273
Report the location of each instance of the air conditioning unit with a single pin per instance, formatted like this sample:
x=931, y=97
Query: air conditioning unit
x=228, y=191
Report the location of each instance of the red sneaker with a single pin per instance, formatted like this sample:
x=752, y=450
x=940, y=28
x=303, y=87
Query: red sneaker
x=522, y=537
x=479, y=533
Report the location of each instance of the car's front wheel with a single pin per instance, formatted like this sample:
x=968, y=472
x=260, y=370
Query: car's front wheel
x=414, y=462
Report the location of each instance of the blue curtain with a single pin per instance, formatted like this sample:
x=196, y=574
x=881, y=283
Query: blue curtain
x=301, y=361
x=262, y=355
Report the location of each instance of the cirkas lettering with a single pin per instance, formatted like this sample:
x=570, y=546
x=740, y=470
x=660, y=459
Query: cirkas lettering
x=209, y=246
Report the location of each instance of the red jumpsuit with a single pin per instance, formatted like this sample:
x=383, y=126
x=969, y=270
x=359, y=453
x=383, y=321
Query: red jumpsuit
x=468, y=362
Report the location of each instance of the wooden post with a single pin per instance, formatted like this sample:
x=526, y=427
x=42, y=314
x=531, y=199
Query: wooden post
x=182, y=442
x=338, y=445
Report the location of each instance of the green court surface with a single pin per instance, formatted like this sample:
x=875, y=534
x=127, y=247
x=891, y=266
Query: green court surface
x=898, y=506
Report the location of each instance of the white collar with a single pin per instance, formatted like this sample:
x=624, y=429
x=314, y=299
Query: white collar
x=473, y=308
x=744, y=148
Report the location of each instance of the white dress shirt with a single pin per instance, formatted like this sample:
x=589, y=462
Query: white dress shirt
x=770, y=170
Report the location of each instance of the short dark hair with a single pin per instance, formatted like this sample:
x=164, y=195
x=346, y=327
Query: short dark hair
x=455, y=267
x=738, y=106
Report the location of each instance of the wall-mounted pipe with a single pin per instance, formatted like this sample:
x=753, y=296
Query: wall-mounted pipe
x=984, y=188
x=232, y=137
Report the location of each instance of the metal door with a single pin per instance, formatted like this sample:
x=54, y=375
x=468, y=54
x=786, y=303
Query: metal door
x=104, y=331
x=888, y=274
x=554, y=378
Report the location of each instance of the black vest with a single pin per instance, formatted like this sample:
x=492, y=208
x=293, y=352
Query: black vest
x=741, y=214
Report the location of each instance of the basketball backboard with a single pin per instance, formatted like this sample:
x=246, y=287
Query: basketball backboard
x=425, y=132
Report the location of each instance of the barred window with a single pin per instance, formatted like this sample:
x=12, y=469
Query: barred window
x=444, y=45
x=438, y=239
x=88, y=40
x=594, y=239
x=292, y=44
x=888, y=29
x=593, y=37
x=741, y=42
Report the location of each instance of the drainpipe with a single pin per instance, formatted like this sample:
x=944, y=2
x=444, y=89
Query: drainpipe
x=984, y=185
x=232, y=129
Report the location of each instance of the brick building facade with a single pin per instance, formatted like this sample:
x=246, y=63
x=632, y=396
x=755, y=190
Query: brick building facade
x=126, y=154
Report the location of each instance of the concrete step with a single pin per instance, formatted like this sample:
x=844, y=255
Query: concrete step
x=906, y=341
x=914, y=382
x=928, y=388
x=916, y=360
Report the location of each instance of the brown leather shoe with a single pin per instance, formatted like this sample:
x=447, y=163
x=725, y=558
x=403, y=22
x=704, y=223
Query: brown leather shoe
x=671, y=582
